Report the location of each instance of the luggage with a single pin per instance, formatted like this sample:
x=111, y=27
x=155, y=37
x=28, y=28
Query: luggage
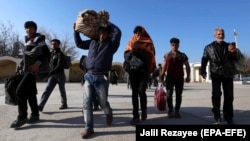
x=160, y=99
x=10, y=88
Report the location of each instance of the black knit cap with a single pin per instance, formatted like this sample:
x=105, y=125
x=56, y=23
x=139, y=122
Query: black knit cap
x=30, y=24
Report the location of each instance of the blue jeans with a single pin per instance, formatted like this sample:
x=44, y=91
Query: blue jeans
x=94, y=85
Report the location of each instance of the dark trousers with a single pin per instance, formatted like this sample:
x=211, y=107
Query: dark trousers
x=178, y=84
x=138, y=82
x=58, y=78
x=228, y=88
x=95, y=101
x=26, y=92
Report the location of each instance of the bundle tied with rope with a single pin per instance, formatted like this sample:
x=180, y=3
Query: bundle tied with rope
x=88, y=22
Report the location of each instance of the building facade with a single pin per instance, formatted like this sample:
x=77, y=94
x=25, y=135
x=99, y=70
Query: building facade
x=8, y=67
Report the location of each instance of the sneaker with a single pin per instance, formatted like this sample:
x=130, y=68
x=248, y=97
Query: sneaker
x=134, y=121
x=171, y=115
x=63, y=107
x=109, y=119
x=40, y=108
x=177, y=115
x=18, y=123
x=87, y=133
x=33, y=119
x=143, y=115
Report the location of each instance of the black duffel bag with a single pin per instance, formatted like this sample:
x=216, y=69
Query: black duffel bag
x=10, y=88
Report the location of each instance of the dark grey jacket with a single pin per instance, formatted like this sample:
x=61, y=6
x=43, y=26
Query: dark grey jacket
x=56, y=61
x=220, y=59
x=36, y=51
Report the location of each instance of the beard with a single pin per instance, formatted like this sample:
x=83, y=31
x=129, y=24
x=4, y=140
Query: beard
x=219, y=40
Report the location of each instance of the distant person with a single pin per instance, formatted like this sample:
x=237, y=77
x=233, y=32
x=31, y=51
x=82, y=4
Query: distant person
x=173, y=66
x=128, y=82
x=156, y=74
x=35, y=60
x=140, y=46
x=221, y=56
x=113, y=77
x=98, y=65
x=56, y=76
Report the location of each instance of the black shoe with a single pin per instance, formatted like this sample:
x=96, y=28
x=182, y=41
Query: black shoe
x=18, y=123
x=171, y=114
x=230, y=122
x=218, y=121
x=143, y=115
x=216, y=112
x=177, y=115
x=109, y=119
x=33, y=119
x=87, y=133
x=40, y=108
x=134, y=121
x=63, y=107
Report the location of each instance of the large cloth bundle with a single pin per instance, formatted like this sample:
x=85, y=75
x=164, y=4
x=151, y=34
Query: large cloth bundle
x=88, y=21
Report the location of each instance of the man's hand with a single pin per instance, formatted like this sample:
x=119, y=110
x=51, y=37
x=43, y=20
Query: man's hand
x=188, y=79
x=34, y=68
x=74, y=26
x=204, y=75
x=161, y=78
x=232, y=47
x=20, y=67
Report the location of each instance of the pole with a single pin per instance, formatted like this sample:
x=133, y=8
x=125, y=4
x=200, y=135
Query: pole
x=236, y=43
x=235, y=38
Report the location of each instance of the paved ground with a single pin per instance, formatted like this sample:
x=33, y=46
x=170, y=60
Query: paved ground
x=65, y=125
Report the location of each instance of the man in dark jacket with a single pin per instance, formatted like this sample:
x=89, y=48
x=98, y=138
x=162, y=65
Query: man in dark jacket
x=98, y=64
x=222, y=70
x=35, y=59
x=56, y=76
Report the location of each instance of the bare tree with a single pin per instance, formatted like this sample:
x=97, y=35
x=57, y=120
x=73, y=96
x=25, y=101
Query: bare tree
x=18, y=48
x=66, y=46
x=247, y=57
x=10, y=44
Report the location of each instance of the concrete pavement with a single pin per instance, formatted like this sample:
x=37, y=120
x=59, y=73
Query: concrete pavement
x=67, y=125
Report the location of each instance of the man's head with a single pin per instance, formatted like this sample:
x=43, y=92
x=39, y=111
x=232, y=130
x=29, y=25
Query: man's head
x=174, y=42
x=104, y=32
x=219, y=34
x=55, y=43
x=30, y=27
x=138, y=31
